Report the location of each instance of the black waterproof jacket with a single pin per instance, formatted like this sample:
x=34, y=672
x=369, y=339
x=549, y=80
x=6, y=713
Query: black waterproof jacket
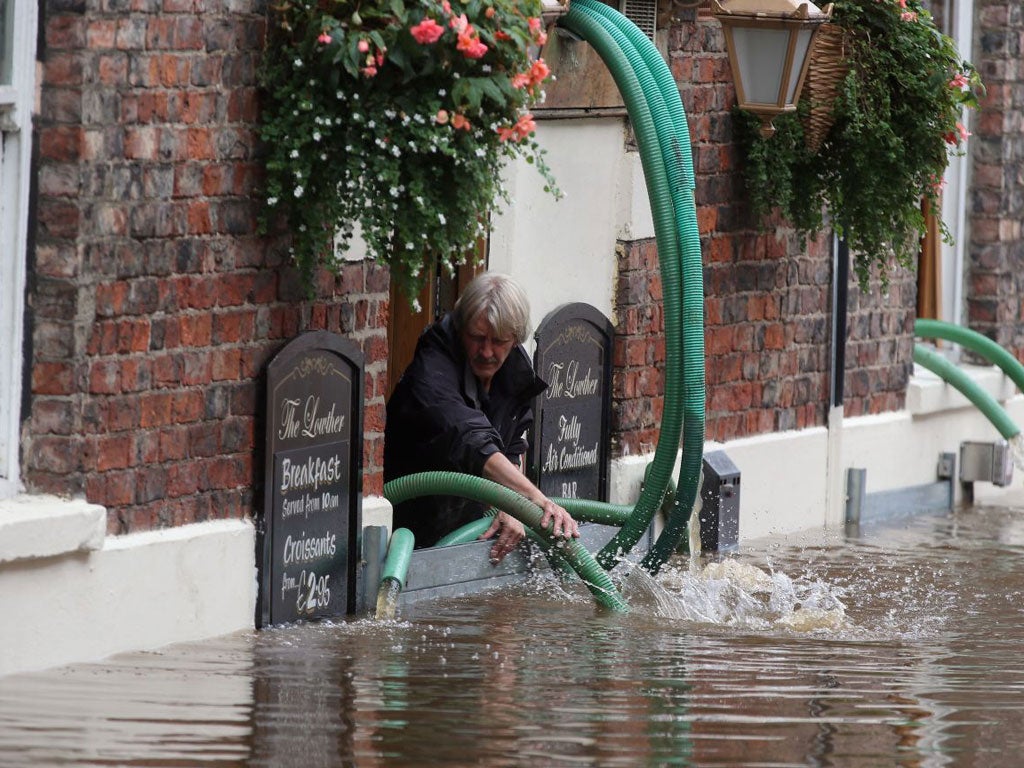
x=439, y=419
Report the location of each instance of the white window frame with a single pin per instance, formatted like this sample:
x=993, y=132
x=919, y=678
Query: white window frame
x=16, y=102
x=959, y=25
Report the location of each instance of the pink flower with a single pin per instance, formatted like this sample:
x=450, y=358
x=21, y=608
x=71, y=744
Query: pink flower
x=539, y=72
x=324, y=38
x=537, y=30
x=427, y=31
x=470, y=45
x=524, y=126
x=441, y=117
x=447, y=8
x=955, y=137
x=369, y=71
x=459, y=23
x=908, y=16
x=959, y=81
x=520, y=80
x=459, y=121
x=522, y=129
x=489, y=13
x=363, y=46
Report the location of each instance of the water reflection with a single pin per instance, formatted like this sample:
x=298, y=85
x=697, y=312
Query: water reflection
x=912, y=660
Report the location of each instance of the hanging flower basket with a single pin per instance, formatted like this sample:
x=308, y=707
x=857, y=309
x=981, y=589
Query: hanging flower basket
x=389, y=123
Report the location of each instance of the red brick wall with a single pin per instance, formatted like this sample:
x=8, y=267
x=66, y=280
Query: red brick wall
x=996, y=253
x=153, y=304
x=767, y=296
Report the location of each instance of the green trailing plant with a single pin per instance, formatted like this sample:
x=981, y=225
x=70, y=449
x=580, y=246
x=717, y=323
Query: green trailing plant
x=898, y=115
x=389, y=122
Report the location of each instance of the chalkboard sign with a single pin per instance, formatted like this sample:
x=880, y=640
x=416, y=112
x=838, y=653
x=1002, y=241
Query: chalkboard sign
x=571, y=438
x=313, y=480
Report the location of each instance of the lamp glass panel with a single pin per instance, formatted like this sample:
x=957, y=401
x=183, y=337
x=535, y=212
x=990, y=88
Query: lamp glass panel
x=761, y=56
x=803, y=40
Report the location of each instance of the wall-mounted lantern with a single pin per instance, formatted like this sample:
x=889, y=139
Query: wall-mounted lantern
x=769, y=44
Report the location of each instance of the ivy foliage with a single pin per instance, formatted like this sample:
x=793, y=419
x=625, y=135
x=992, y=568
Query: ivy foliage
x=898, y=116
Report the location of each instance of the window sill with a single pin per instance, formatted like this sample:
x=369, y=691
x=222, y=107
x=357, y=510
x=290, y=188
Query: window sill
x=47, y=526
x=927, y=393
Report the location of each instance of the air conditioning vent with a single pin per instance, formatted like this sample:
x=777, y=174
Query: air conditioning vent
x=643, y=13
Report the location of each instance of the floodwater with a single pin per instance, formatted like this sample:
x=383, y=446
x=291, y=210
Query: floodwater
x=903, y=646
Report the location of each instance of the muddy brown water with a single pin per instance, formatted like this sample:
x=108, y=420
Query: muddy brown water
x=903, y=646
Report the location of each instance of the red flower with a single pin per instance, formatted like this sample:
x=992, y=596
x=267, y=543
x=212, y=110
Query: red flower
x=470, y=45
x=427, y=31
x=539, y=72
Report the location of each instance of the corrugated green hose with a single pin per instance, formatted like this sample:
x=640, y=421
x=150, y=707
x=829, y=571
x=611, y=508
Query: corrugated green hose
x=588, y=25
x=524, y=510
x=974, y=341
x=951, y=374
x=396, y=566
x=674, y=140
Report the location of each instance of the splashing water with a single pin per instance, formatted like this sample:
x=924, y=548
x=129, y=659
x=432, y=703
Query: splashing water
x=732, y=593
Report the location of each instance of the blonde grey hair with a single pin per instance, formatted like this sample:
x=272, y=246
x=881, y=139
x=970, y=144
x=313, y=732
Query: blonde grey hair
x=500, y=300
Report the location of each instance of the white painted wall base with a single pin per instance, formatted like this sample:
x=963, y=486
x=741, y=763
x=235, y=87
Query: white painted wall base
x=69, y=593
x=786, y=481
x=134, y=592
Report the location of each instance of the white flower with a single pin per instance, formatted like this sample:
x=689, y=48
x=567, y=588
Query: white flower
x=481, y=152
x=442, y=93
x=393, y=191
x=441, y=218
x=298, y=63
x=294, y=154
x=271, y=201
x=396, y=151
x=299, y=191
x=416, y=306
x=371, y=124
x=316, y=135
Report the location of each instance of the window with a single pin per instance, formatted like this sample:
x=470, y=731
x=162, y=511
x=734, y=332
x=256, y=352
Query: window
x=17, y=75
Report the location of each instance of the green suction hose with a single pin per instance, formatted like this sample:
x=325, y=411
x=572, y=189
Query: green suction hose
x=976, y=342
x=524, y=510
x=396, y=566
x=587, y=25
x=949, y=373
x=469, y=532
x=674, y=136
